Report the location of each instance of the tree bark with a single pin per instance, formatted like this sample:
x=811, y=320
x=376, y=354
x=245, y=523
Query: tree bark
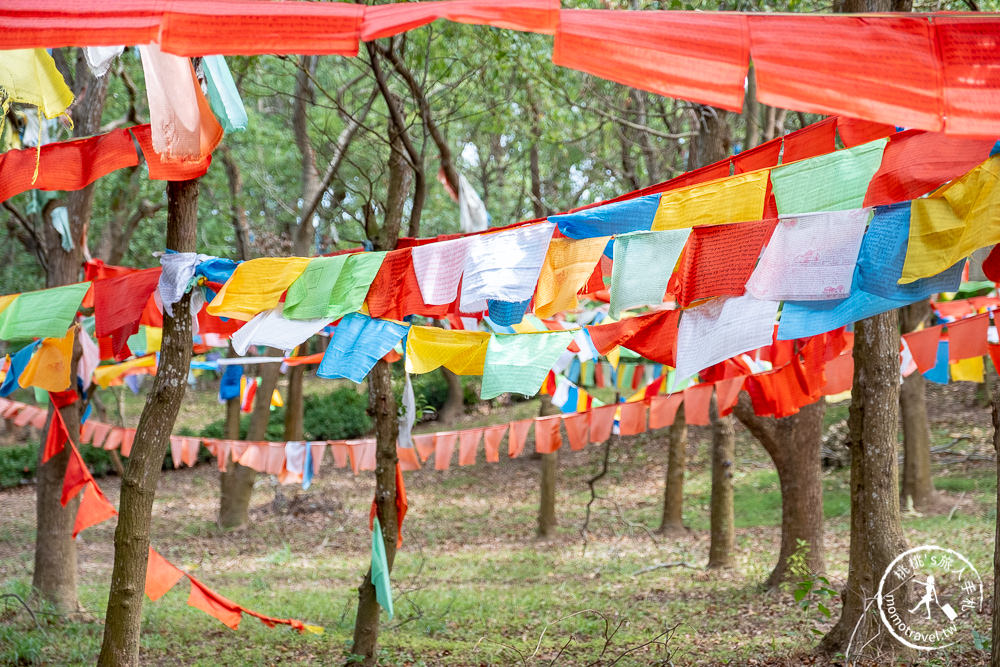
x=549, y=469
x=876, y=525
x=55, y=571
x=723, y=530
x=917, y=484
x=124, y=613
x=794, y=443
x=237, y=481
x=673, y=488
x=454, y=405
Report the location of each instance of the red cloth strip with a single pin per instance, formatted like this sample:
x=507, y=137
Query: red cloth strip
x=540, y=16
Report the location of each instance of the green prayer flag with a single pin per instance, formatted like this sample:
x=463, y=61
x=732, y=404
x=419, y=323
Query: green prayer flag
x=332, y=286
x=833, y=182
x=47, y=313
x=643, y=262
x=518, y=363
x=588, y=373
x=380, y=569
x=223, y=96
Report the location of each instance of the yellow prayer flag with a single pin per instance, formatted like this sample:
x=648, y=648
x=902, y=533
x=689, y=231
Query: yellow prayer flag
x=6, y=300
x=967, y=370
x=614, y=354
x=49, y=368
x=105, y=375
x=276, y=400
x=461, y=352
x=154, y=339
x=734, y=199
x=953, y=222
x=256, y=286
x=568, y=265
x=29, y=76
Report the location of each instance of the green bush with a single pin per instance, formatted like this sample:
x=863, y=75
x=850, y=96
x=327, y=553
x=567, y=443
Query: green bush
x=18, y=463
x=339, y=415
x=217, y=429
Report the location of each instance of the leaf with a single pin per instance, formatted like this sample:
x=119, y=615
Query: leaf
x=822, y=609
x=799, y=593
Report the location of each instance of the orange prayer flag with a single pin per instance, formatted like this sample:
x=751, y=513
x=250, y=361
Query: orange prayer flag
x=839, y=374
x=49, y=367
x=94, y=508
x=161, y=575
x=77, y=476
x=577, y=428
x=492, y=435
x=468, y=444
x=408, y=458
x=696, y=401
x=444, y=448
x=548, y=438
x=101, y=432
x=602, y=420
x=923, y=346
x=517, y=437
x=633, y=418
x=114, y=439
x=55, y=440
x=994, y=350
x=214, y=604
x=128, y=437
x=424, y=444
x=663, y=409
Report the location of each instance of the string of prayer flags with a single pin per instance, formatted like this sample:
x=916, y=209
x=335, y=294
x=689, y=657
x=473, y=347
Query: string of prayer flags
x=461, y=352
x=643, y=262
x=810, y=257
x=30, y=76
x=223, y=95
x=331, y=287
x=357, y=343
x=621, y=217
x=952, y=222
x=720, y=329
x=719, y=259
x=630, y=48
x=735, y=199
x=504, y=266
x=568, y=265
x=519, y=363
x=652, y=335
x=832, y=182
x=395, y=292
x=540, y=16
x=256, y=286
x=273, y=329
x=44, y=313
x=883, y=252
x=51, y=365
x=380, y=570
x=915, y=163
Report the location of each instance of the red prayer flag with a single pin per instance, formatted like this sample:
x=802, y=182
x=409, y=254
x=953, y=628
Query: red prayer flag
x=652, y=335
x=424, y=444
x=970, y=73
x=655, y=51
x=540, y=16
x=967, y=338
x=719, y=259
x=444, y=448
x=395, y=292
x=923, y=346
x=161, y=575
x=548, y=437
x=839, y=374
x=696, y=402
x=159, y=170
x=119, y=303
x=727, y=392
x=633, y=418
x=577, y=426
x=55, y=440
x=213, y=604
x=492, y=435
x=817, y=139
x=408, y=458
x=468, y=445
x=94, y=508
x=602, y=420
x=517, y=436
x=77, y=476
x=855, y=131
x=663, y=409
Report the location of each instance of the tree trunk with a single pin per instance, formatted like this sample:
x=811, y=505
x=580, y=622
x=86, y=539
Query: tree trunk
x=876, y=526
x=794, y=443
x=124, y=613
x=917, y=484
x=673, y=488
x=454, y=405
x=237, y=481
x=720, y=551
x=54, y=576
x=549, y=468
x=382, y=402
x=995, y=643
x=294, y=402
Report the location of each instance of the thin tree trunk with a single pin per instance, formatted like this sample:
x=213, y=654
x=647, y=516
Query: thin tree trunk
x=237, y=481
x=995, y=643
x=55, y=572
x=723, y=530
x=917, y=484
x=673, y=488
x=876, y=525
x=454, y=404
x=794, y=443
x=124, y=613
x=549, y=469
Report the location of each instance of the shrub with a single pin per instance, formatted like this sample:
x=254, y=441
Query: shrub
x=338, y=415
x=217, y=429
x=19, y=463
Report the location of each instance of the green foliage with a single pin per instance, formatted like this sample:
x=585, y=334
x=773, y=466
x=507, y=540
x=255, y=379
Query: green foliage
x=18, y=463
x=338, y=415
x=217, y=429
x=812, y=587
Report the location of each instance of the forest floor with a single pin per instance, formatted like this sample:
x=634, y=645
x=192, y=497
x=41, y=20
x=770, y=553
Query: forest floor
x=473, y=586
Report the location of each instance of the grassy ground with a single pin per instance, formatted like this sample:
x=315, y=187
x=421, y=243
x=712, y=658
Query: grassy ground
x=472, y=585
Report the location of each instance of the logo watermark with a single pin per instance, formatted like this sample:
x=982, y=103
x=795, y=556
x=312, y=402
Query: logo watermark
x=941, y=588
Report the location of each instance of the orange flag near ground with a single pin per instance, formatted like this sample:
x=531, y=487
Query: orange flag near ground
x=161, y=575
x=94, y=508
x=214, y=604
